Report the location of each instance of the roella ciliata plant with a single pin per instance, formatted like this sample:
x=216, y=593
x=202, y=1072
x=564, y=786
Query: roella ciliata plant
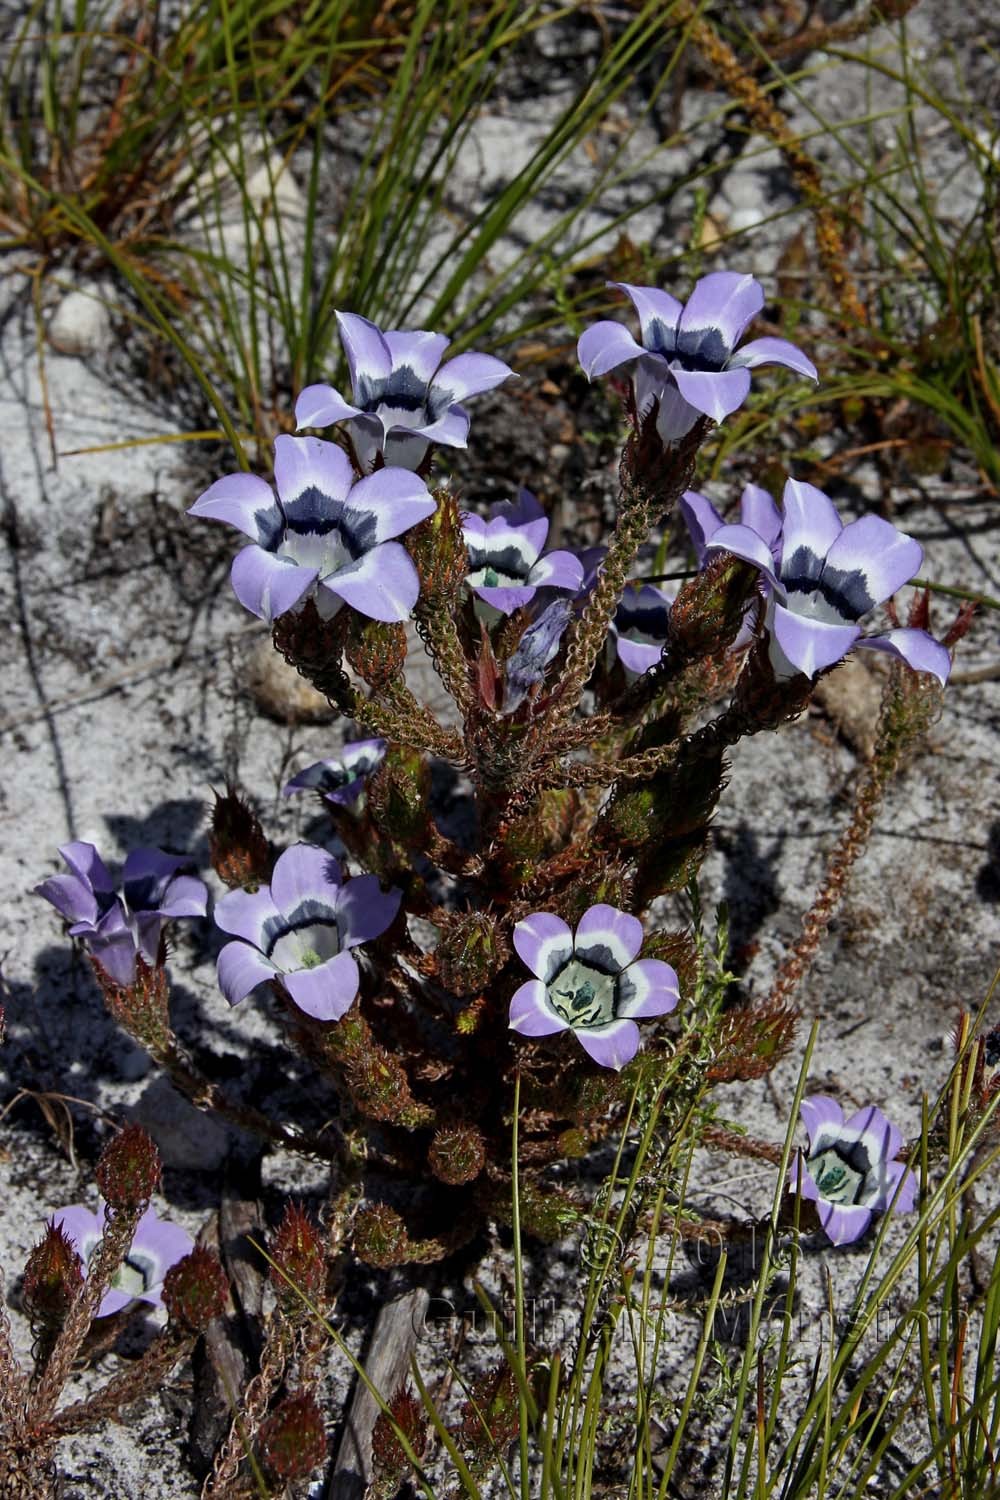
x=592, y=715
x=455, y=981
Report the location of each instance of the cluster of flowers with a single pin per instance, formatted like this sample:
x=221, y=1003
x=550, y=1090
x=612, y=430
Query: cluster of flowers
x=328, y=532
x=328, y=535
x=850, y=1169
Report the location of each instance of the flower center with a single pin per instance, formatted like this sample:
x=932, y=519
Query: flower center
x=837, y=1180
x=134, y=1275
x=327, y=551
x=490, y=577
x=396, y=411
x=815, y=605
x=582, y=995
x=306, y=947
x=334, y=777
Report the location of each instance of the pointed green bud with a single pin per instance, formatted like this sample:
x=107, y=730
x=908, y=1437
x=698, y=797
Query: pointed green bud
x=297, y=1252
x=53, y=1277
x=608, y=883
x=141, y=1008
x=472, y=951
x=675, y=803
x=376, y=1080
x=376, y=650
x=388, y=1454
x=399, y=796
x=491, y=1418
x=707, y=614
x=438, y=549
x=534, y=837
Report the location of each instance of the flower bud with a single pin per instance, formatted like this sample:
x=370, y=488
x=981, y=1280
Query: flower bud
x=761, y=700
x=399, y=796
x=752, y=1041
x=707, y=614
x=292, y=1440
x=297, y=1251
x=438, y=549
x=491, y=1419
x=470, y=1018
x=603, y=881
x=141, y=1008
x=679, y=950
x=129, y=1169
x=53, y=1277
x=388, y=1454
x=376, y=650
x=525, y=842
x=664, y=817
x=195, y=1290
x=548, y=1213
x=240, y=853
x=473, y=949
x=457, y=1154
x=380, y=1237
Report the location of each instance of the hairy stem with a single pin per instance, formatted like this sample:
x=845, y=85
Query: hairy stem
x=908, y=707
x=119, y=1231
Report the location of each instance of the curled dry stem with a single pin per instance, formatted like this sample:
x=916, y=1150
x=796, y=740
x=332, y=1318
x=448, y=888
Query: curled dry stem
x=278, y=1348
x=909, y=706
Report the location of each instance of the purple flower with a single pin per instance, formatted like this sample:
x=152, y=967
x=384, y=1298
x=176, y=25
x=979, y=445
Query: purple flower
x=534, y=652
x=687, y=360
x=404, y=397
x=638, y=632
x=593, y=983
x=341, y=779
x=505, y=563
x=156, y=1246
x=850, y=1169
x=822, y=577
x=323, y=533
x=757, y=510
x=299, y=930
x=639, y=629
x=119, y=926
